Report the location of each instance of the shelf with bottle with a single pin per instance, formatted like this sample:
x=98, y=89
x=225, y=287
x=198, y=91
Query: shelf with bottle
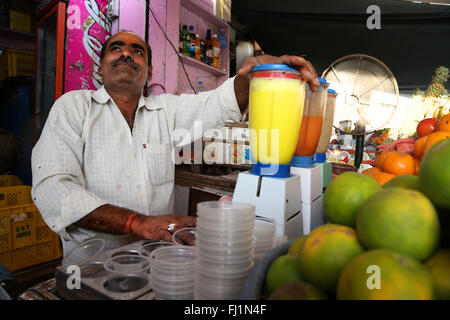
x=201, y=65
x=210, y=51
x=193, y=7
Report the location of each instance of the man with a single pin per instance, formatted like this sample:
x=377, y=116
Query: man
x=102, y=166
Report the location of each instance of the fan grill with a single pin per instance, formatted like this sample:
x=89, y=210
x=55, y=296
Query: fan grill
x=368, y=91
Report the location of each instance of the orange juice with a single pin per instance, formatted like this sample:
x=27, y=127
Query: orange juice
x=276, y=107
x=309, y=135
x=311, y=127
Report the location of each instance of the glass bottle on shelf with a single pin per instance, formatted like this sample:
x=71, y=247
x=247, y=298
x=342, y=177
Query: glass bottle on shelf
x=200, y=87
x=202, y=51
x=197, y=47
x=191, y=42
x=208, y=48
x=216, y=51
x=186, y=40
x=223, y=40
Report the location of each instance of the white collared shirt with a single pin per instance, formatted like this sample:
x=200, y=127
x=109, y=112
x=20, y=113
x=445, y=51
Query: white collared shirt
x=87, y=156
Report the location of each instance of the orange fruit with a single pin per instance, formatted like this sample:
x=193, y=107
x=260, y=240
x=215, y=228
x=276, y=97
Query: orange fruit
x=407, y=181
x=403, y=220
x=444, y=123
x=284, y=269
x=345, y=195
x=399, y=278
x=370, y=171
x=419, y=146
x=439, y=268
x=381, y=157
x=435, y=137
x=398, y=163
x=434, y=174
x=383, y=177
x=298, y=290
x=325, y=252
x=296, y=245
x=417, y=165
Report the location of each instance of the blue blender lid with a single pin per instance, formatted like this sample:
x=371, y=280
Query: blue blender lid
x=323, y=81
x=332, y=91
x=272, y=67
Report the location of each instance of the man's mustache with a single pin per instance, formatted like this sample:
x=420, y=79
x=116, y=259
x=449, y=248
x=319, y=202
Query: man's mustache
x=126, y=60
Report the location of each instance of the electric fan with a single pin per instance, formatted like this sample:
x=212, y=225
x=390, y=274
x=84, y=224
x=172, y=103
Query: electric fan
x=367, y=97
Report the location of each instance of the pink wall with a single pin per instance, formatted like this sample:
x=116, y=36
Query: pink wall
x=132, y=16
x=167, y=69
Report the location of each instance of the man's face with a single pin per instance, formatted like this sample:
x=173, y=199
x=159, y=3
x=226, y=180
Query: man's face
x=125, y=62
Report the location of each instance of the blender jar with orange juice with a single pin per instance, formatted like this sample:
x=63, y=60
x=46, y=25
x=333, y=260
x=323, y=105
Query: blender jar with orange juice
x=311, y=126
x=276, y=99
x=327, y=127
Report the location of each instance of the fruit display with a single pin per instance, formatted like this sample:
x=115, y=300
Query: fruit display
x=400, y=278
x=379, y=136
x=325, y=252
x=434, y=102
x=345, y=196
x=407, y=181
x=403, y=157
x=283, y=270
x=437, y=87
x=395, y=247
x=407, y=219
x=434, y=174
x=426, y=127
x=298, y=290
x=439, y=268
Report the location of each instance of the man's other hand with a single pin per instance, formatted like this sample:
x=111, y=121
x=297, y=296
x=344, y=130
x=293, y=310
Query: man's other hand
x=157, y=227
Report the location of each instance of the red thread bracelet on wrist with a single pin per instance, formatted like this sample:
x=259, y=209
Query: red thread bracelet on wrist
x=130, y=221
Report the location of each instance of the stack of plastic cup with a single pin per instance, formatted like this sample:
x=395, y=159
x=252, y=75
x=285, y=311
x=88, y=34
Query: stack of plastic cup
x=225, y=239
x=265, y=231
x=172, y=272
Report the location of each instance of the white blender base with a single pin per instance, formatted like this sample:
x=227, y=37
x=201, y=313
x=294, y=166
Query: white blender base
x=313, y=215
x=311, y=195
x=275, y=198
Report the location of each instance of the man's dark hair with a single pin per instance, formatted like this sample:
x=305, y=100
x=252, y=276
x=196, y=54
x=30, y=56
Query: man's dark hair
x=105, y=45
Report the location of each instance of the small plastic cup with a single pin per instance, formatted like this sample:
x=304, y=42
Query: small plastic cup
x=224, y=272
x=230, y=261
x=148, y=248
x=128, y=264
x=225, y=252
x=235, y=210
x=265, y=224
x=169, y=282
x=83, y=252
x=218, y=241
x=185, y=236
x=177, y=257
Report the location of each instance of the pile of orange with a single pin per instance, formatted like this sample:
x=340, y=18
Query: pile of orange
x=390, y=163
x=442, y=132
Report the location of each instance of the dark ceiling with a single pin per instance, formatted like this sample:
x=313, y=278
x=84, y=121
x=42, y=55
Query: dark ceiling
x=413, y=40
